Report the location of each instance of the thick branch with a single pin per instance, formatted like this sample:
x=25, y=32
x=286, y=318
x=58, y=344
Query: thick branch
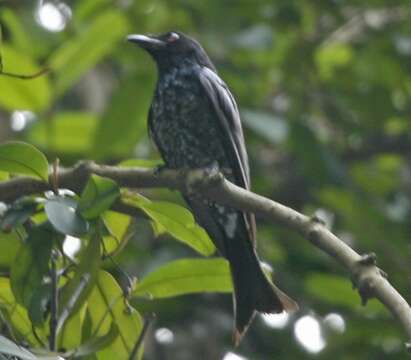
x=367, y=277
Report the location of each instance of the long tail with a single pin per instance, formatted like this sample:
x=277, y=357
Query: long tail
x=253, y=291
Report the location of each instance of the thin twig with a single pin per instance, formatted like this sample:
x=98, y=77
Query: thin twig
x=54, y=302
x=25, y=77
x=367, y=277
x=140, y=339
x=55, y=176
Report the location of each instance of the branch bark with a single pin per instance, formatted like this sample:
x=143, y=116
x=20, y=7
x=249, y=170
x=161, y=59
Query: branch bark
x=366, y=276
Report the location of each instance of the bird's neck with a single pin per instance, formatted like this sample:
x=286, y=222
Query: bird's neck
x=176, y=67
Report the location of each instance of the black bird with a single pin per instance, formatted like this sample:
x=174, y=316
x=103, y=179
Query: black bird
x=194, y=122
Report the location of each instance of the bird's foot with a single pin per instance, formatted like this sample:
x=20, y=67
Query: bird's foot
x=211, y=170
x=201, y=178
x=159, y=169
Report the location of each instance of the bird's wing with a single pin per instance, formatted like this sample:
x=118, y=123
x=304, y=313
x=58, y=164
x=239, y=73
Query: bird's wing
x=225, y=107
x=152, y=133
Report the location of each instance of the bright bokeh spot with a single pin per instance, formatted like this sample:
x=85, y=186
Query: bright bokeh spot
x=308, y=333
x=164, y=336
x=275, y=321
x=71, y=246
x=53, y=17
x=20, y=119
x=335, y=322
x=232, y=356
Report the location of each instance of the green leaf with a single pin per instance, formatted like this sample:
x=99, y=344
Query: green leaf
x=98, y=343
x=10, y=348
x=379, y=175
x=107, y=306
x=21, y=158
x=87, y=9
x=17, y=213
x=62, y=214
x=70, y=337
x=16, y=314
x=177, y=221
x=98, y=195
x=75, y=292
x=33, y=94
x=82, y=52
x=117, y=225
x=70, y=133
x=40, y=300
x=9, y=246
x=186, y=276
x=18, y=34
x=337, y=290
x=331, y=57
x=124, y=122
x=31, y=265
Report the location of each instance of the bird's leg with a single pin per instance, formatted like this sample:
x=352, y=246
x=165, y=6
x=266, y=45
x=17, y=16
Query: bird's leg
x=211, y=170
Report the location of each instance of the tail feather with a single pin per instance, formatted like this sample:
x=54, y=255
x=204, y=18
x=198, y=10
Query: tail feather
x=253, y=291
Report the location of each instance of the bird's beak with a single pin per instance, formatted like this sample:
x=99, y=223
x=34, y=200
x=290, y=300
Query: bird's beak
x=146, y=42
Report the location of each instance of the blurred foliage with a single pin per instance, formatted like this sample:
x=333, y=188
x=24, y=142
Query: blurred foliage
x=324, y=91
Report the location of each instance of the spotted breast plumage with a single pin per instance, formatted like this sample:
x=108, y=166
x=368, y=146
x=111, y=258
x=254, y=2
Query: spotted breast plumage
x=195, y=123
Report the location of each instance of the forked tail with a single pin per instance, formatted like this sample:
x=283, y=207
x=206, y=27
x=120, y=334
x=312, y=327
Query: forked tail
x=253, y=291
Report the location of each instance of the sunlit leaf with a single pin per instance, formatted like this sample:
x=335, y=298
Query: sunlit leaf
x=331, y=57
x=80, y=53
x=9, y=245
x=19, y=35
x=22, y=158
x=33, y=94
x=97, y=343
x=16, y=314
x=124, y=122
x=186, y=276
x=117, y=225
x=107, y=306
x=98, y=195
x=75, y=292
x=70, y=337
x=70, y=133
x=177, y=221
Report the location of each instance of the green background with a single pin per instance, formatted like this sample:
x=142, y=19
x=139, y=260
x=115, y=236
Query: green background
x=324, y=90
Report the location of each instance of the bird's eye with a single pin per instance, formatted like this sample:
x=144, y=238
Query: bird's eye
x=172, y=37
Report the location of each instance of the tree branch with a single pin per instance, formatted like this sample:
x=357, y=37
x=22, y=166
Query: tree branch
x=366, y=276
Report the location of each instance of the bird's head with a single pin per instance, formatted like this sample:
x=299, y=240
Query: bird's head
x=172, y=49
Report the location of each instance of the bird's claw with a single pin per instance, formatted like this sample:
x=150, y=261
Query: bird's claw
x=159, y=169
x=368, y=259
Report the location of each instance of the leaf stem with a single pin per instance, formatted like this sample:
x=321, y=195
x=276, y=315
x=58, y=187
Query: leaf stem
x=54, y=302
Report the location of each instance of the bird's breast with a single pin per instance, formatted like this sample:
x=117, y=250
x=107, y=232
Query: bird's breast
x=184, y=124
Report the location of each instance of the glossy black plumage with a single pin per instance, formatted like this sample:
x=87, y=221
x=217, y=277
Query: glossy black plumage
x=195, y=123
